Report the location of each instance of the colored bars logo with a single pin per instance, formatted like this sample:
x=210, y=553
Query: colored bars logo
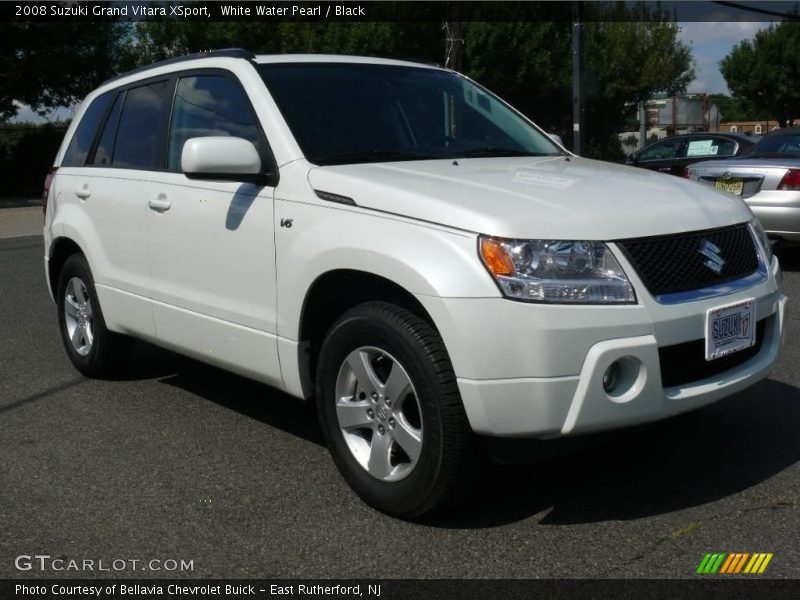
x=734, y=562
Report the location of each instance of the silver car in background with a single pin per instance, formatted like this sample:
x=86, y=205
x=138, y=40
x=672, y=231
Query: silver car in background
x=767, y=178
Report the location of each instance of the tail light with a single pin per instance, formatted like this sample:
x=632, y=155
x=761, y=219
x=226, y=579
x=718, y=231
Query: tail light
x=48, y=180
x=685, y=173
x=790, y=181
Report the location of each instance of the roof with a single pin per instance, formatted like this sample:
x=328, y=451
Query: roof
x=274, y=58
x=793, y=130
x=338, y=58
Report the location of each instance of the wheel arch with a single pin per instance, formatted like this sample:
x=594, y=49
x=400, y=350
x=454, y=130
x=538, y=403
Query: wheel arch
x=61, y=248
x=333, y=293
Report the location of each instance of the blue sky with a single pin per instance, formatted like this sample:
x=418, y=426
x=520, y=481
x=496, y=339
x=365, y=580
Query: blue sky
x=710, y=43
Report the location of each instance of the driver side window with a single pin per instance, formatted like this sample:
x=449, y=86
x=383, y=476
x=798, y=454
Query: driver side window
x=664, y=150
x=209, y=105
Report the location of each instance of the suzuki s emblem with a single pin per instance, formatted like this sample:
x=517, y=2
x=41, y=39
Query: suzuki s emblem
x=715, y=262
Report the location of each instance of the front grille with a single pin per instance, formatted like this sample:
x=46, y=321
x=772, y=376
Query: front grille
x=673, y=263
x=686, y=363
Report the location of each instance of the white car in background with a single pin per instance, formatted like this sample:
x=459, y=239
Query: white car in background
x=398, y=243
x=767, y=178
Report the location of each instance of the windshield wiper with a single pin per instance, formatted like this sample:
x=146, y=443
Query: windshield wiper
x=365, y=156
x=490, y=151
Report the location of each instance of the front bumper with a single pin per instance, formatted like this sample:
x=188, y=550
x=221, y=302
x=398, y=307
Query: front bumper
x=534, y=370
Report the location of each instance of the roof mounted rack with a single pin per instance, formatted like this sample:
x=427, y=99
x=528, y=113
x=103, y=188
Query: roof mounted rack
x=221, y=53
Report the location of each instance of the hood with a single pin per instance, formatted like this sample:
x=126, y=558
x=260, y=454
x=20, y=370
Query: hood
x=546, y=198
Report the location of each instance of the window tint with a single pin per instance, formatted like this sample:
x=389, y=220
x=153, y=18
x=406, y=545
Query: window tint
x=208, y=105
x=84, y=135
x=105, y=148
x=139, y=137
x=778, y=146
x=350, y=113
x=663, y=150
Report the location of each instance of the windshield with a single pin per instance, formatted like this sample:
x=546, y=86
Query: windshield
x=344, y=113
x=777, y=146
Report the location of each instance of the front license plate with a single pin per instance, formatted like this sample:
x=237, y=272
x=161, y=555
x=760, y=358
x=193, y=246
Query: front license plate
x=730, y=328
x=732, y=186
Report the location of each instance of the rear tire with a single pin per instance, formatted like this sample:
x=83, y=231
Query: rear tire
x=391, y=412
x=93, y=349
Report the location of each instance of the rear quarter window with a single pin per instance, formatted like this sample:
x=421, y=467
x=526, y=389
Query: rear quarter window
x=85, y=133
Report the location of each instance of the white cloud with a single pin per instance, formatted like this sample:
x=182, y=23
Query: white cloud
x=710, y=43
x=729, y=32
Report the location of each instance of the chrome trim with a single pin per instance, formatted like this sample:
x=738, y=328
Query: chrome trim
x=758, y=276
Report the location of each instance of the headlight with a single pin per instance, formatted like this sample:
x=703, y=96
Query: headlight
x=556, y=271
x=763, y=240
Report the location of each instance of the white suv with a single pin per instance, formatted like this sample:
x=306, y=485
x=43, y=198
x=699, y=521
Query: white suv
x=396, y=242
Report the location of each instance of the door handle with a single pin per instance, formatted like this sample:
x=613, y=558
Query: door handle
x=665, y=169
x=83, y=193
x=159, y=203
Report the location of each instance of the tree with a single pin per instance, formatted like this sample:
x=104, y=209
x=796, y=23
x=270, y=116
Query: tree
x=156, y=40
x=47, y=65
x=731, y=109
x=627, y=61
x=764, y=73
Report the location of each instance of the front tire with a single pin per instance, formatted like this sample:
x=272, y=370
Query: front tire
x=391, y=412
x=93, y=349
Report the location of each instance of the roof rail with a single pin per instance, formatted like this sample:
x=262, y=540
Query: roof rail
x=420, y=61
x=223, y=52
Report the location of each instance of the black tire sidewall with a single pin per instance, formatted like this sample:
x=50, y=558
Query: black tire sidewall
x=359, y=329
x=92, y=363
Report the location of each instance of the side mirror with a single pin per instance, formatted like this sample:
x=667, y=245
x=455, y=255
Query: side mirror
x=556, y=138
x=632, y=158
x=220, y=157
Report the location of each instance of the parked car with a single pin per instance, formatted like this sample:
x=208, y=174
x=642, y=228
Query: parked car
x=395, y=241
x=767, y=178
x=672, y=154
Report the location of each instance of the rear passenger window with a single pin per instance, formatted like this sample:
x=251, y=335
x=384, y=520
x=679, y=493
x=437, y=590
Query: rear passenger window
x=208, y=105
x=105, y=148
x=139, y=136
x=710, y=147
x=84, y=135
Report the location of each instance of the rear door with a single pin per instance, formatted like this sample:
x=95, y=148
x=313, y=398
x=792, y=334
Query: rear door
x=211, y=244
x=112, y=187
x=662, y=156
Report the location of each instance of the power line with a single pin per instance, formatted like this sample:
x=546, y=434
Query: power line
x=761, y=11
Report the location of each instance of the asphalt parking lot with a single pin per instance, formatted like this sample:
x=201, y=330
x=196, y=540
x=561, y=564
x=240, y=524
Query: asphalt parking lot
x=183, y=461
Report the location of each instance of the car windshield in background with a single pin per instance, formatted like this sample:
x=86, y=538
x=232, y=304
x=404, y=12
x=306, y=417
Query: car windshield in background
x=777, y=146
x=344, y=113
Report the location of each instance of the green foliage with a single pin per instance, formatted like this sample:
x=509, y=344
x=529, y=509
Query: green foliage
x=625, y=62
x=527, y=63
x=47, y=65
x=630, y=141
x=764, y=73
x=156, y=40
x=734, y=109
x=26, y=153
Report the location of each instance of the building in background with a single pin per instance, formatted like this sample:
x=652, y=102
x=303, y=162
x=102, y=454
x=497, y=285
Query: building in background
x=749, y=127
x=685, y=113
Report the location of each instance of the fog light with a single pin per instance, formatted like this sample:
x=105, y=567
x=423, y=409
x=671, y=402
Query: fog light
x=611, y=377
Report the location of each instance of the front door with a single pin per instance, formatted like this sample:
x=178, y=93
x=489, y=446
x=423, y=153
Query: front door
x=211, y=244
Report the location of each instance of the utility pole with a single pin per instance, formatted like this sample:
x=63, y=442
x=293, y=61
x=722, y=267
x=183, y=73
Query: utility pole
x=577, y=79
x=642, y=124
